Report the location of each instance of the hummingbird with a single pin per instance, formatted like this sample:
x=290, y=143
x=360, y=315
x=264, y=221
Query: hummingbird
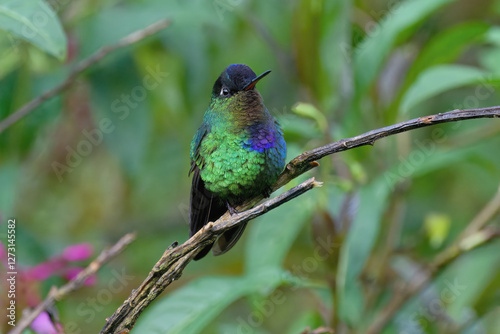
x=237, y=153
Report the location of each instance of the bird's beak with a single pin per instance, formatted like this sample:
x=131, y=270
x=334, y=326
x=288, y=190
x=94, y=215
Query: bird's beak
x=252, y=83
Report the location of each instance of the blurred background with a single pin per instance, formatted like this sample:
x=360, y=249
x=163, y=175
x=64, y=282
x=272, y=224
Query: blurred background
x=110, y=155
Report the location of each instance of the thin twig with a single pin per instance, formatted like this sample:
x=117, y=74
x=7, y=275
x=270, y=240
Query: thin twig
x=421, y=280
x=302, y=163
x=78, y=69
x=57, y=294
x=174, y=260
x=319, y=330
x=483, y=217
x=478, y=235
x=471, y=233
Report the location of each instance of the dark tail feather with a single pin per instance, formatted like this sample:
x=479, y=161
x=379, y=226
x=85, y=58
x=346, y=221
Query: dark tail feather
x=204, y=251
x=227, y=240
x=204, y=206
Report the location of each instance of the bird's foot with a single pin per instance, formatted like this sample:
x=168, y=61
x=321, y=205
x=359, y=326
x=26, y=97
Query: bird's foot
x=267, y=192
x=232, y=209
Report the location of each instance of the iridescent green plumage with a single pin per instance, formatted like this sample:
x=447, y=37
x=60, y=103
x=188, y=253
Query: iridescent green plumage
x=237, y=153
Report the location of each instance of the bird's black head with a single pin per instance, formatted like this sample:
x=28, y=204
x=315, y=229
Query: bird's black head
x=235, y=78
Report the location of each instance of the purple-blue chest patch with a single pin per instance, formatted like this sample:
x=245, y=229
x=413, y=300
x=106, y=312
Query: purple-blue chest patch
x=260, y=140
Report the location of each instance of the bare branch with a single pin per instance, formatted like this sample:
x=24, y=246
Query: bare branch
x=57, y=294
x=302, y=163
x=175, y=259
x=78, y=69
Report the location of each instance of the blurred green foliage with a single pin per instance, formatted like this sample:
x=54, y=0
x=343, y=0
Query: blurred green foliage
x=111, y=155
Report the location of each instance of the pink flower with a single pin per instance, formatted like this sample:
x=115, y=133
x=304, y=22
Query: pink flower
x=3, y=254
x=43, y=324
x=59, y=265
x=72, y=272
x=77, y=252
x=30, y=278
x=44, y=270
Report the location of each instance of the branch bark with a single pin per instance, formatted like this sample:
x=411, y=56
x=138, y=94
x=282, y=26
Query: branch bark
x=175, y=259
x=78, y=69
x=170, y=266
x=57, y=294
x=301, y=163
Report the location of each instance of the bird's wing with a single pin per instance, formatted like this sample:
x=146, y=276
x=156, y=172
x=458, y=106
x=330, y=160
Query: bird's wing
x=196, y=158
x=204, y=206
x=199, y=207
x=228, y=239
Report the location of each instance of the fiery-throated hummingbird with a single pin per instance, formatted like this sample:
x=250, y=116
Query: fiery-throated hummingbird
x=237, y=153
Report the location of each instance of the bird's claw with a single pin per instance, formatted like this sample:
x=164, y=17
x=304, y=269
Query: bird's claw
x=232, y=210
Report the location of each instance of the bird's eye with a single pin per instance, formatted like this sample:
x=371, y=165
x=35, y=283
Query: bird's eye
x=224, y=91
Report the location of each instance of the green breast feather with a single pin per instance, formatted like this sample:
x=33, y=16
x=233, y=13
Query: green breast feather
x=227, y=168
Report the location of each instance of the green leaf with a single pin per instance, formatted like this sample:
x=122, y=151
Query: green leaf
x=493, y=35
x=296, y=127
x=272, y=236
x=465, y=270
x=442, y=78
x=369, y=55
x=335, y=16
x=439, y=159
x=488, y=323
x=456, y=289
x=121, y=111
x=191, y=308
x=357, y=248
x=489, y=56
x=35, y=22
x=445, y=47
x=425, y=158
x=311, y=319
x=308, y=110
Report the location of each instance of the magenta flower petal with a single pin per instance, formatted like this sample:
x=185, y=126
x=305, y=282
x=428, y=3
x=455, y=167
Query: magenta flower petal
x=71, y=273
x=77, y=252
x=91, y=280
x=43, y=324
x=44, y=270
x=3, y=253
